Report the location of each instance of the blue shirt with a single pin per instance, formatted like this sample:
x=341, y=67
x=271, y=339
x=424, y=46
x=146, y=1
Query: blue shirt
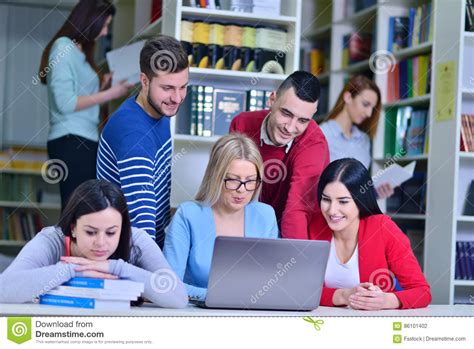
x=340, y=146
x=190, y=240
x=69, y=77
x=135, y=153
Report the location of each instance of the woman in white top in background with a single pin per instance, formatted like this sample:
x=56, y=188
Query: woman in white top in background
x=352, y=123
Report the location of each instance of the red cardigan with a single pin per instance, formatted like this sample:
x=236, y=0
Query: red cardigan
x=383, y=249
x=292, y=188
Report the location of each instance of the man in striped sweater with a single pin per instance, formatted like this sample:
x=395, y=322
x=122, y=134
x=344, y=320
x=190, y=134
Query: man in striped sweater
x=135, y=146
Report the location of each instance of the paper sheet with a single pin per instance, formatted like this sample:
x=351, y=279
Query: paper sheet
x=124, y=62
x=394, y=174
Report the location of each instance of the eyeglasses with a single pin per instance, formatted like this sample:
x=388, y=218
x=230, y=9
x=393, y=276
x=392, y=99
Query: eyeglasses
x=235, y=184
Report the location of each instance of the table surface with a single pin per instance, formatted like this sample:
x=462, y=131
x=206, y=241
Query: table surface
x=192, y=310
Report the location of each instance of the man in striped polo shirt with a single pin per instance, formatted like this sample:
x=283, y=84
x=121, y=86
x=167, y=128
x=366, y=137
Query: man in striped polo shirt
x=135, y=145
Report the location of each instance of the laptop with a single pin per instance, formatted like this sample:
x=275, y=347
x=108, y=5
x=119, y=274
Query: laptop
x=267, y=274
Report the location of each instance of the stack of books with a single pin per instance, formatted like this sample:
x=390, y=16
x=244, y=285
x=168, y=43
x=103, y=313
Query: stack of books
x=94, y=294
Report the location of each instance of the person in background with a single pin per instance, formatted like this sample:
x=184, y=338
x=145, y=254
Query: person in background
x=368, y=252
x=293, y=149
x=75, y=91
x=93, y=239
x=135, y=145
x=352, y=124
x=225, y=205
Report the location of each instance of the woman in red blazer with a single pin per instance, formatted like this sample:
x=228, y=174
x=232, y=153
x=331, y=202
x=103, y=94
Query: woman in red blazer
x=368, y=250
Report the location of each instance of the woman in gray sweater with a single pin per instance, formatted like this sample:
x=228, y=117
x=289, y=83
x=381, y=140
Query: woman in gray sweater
x=93, y=238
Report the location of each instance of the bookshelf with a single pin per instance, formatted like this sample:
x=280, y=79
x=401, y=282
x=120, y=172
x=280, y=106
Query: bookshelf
x=448, y=170
x=21, y=214
x=192, y=152
x=131, y=23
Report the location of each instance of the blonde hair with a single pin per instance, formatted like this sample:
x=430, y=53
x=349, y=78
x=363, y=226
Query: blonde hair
x=234, y=146
x=355, y=86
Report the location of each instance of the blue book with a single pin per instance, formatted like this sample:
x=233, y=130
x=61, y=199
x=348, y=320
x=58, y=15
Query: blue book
x=106, y=284
x=87, y=303
x=411, y=24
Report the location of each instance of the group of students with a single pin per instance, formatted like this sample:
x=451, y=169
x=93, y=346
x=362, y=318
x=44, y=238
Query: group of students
x=240, y=195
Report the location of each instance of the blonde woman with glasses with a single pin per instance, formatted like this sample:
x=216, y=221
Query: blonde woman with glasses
x=225, y=205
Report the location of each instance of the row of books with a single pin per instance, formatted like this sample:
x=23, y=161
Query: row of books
x=406, y=131
x=411, y=31
x=94, y=294
x=467, y=132
x=210, y=110
x=468, y=209
x=25, y=159
x=409, y=78
x=267, y=7
x=410, y=197
x=26, y=188
x=464, y=260
x=19, y=225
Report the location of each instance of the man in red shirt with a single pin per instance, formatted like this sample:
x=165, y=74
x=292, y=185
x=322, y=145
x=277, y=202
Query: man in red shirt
x=294, y=151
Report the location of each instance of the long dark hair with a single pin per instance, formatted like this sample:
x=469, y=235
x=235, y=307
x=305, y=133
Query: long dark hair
x=94, y=196
x=358, y=182
x=82, y=26
x=355, y=86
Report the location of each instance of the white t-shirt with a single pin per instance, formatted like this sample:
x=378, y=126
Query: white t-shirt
x=339, y=275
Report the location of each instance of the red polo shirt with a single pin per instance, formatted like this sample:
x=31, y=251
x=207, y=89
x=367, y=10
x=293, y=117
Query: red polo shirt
x=291, y=179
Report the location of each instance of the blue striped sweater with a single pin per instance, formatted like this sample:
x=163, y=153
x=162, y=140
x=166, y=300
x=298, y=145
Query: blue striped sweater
x=135, y=153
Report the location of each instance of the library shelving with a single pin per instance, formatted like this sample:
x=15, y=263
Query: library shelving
x=448, y=171
x=24, y=206
x=191, y=151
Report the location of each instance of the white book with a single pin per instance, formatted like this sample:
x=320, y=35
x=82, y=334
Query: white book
x=124, y=62
x=394, y=174
x=93, y=293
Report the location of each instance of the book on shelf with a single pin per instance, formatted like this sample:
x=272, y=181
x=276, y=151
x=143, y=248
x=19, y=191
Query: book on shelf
x=227, y=105
x=409, y=78
x=208, y=111
x=415, y=231
x=469, y=24
x=420, y=25
x=19, y=225
x=464, y=269
x=467, y=132
x=397, y=33
x=468, y=209
x=356, y=47
x=156, y=8
x=406, y=131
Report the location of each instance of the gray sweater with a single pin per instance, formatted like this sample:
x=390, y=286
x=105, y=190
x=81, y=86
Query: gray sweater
x=37, y=269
